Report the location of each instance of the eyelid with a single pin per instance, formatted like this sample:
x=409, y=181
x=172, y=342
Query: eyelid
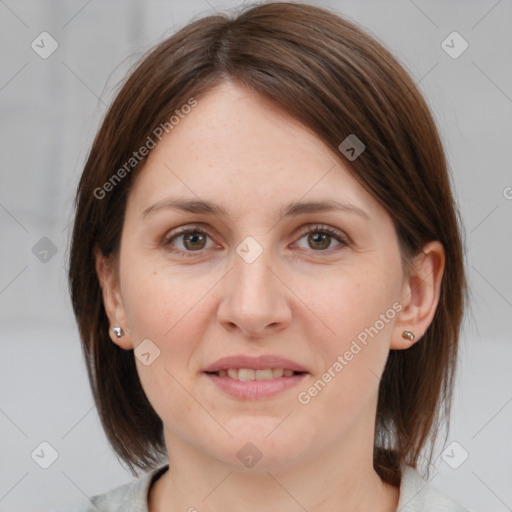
x=323, y=228
x=183, y=230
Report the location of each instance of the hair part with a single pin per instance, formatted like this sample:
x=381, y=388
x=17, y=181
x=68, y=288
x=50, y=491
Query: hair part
x=337, y=80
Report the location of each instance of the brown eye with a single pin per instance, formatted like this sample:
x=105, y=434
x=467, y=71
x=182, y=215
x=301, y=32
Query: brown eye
x=319, y=238
x=193, y=241
x=187, y=241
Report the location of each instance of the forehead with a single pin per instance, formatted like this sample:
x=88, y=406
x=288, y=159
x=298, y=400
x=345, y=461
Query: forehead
x=238, y=149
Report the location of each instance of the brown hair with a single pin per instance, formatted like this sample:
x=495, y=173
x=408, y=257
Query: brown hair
x=337, y=80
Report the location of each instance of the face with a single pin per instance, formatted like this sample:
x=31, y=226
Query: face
x=316, y=291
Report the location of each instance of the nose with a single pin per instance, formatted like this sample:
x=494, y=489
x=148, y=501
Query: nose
x=255, y=299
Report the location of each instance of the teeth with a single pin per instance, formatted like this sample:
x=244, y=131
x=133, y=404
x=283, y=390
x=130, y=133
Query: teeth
x=245, y=374
x=263, y=375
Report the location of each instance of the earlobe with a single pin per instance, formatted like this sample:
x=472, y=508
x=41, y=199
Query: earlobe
x=420, y=296
x=112, y=301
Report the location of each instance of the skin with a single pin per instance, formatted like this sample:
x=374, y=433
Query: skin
x=304, y=299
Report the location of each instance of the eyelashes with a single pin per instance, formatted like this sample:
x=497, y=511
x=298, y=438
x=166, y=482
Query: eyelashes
x=195, y=234
x=194, y=230
x=328, y=233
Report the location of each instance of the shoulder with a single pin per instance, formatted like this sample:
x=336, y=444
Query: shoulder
x=417, y=495
x=130, y=497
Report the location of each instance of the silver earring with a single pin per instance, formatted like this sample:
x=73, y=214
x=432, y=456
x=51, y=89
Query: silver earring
x=118, y=331
x=408, y=335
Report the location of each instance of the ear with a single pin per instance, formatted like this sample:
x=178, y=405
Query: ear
x=107, y=271
x=420, y=295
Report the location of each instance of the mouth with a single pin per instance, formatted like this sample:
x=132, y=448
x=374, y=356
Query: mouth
x=245, y=377
x=248, y=374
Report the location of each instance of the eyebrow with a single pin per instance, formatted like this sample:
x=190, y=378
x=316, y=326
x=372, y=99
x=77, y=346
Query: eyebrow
x=293, y=209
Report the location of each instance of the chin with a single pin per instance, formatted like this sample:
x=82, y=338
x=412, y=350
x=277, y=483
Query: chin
x=261, y=447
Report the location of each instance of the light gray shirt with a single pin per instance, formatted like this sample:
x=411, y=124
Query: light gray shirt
x=416, y=495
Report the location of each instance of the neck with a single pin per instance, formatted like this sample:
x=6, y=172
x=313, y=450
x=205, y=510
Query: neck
x=332, y=479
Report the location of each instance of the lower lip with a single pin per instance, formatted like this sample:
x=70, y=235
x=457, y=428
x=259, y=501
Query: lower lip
x=254, y=389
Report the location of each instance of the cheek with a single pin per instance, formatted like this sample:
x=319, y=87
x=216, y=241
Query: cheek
x=161, y=307
x=359, y=308
x=351, y=302
x=158, y=303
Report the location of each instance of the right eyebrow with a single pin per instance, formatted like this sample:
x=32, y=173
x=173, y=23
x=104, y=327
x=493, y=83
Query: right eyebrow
x=186, y=205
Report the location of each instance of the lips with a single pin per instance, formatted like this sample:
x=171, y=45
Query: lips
x=264, y=362
x=246, y=374
x=254, y=378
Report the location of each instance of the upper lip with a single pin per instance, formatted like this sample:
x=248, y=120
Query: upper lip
x=254, y=363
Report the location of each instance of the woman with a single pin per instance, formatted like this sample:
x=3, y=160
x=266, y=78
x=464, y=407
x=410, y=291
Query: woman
x=267, y=273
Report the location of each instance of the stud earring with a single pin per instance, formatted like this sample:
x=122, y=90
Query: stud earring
x=118, y=331
x=408, y=335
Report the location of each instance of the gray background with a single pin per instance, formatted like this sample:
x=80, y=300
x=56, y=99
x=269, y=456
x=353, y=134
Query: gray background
x=51, y=109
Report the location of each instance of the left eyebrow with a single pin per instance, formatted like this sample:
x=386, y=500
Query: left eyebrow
x=290, y=210
x=298, y=208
